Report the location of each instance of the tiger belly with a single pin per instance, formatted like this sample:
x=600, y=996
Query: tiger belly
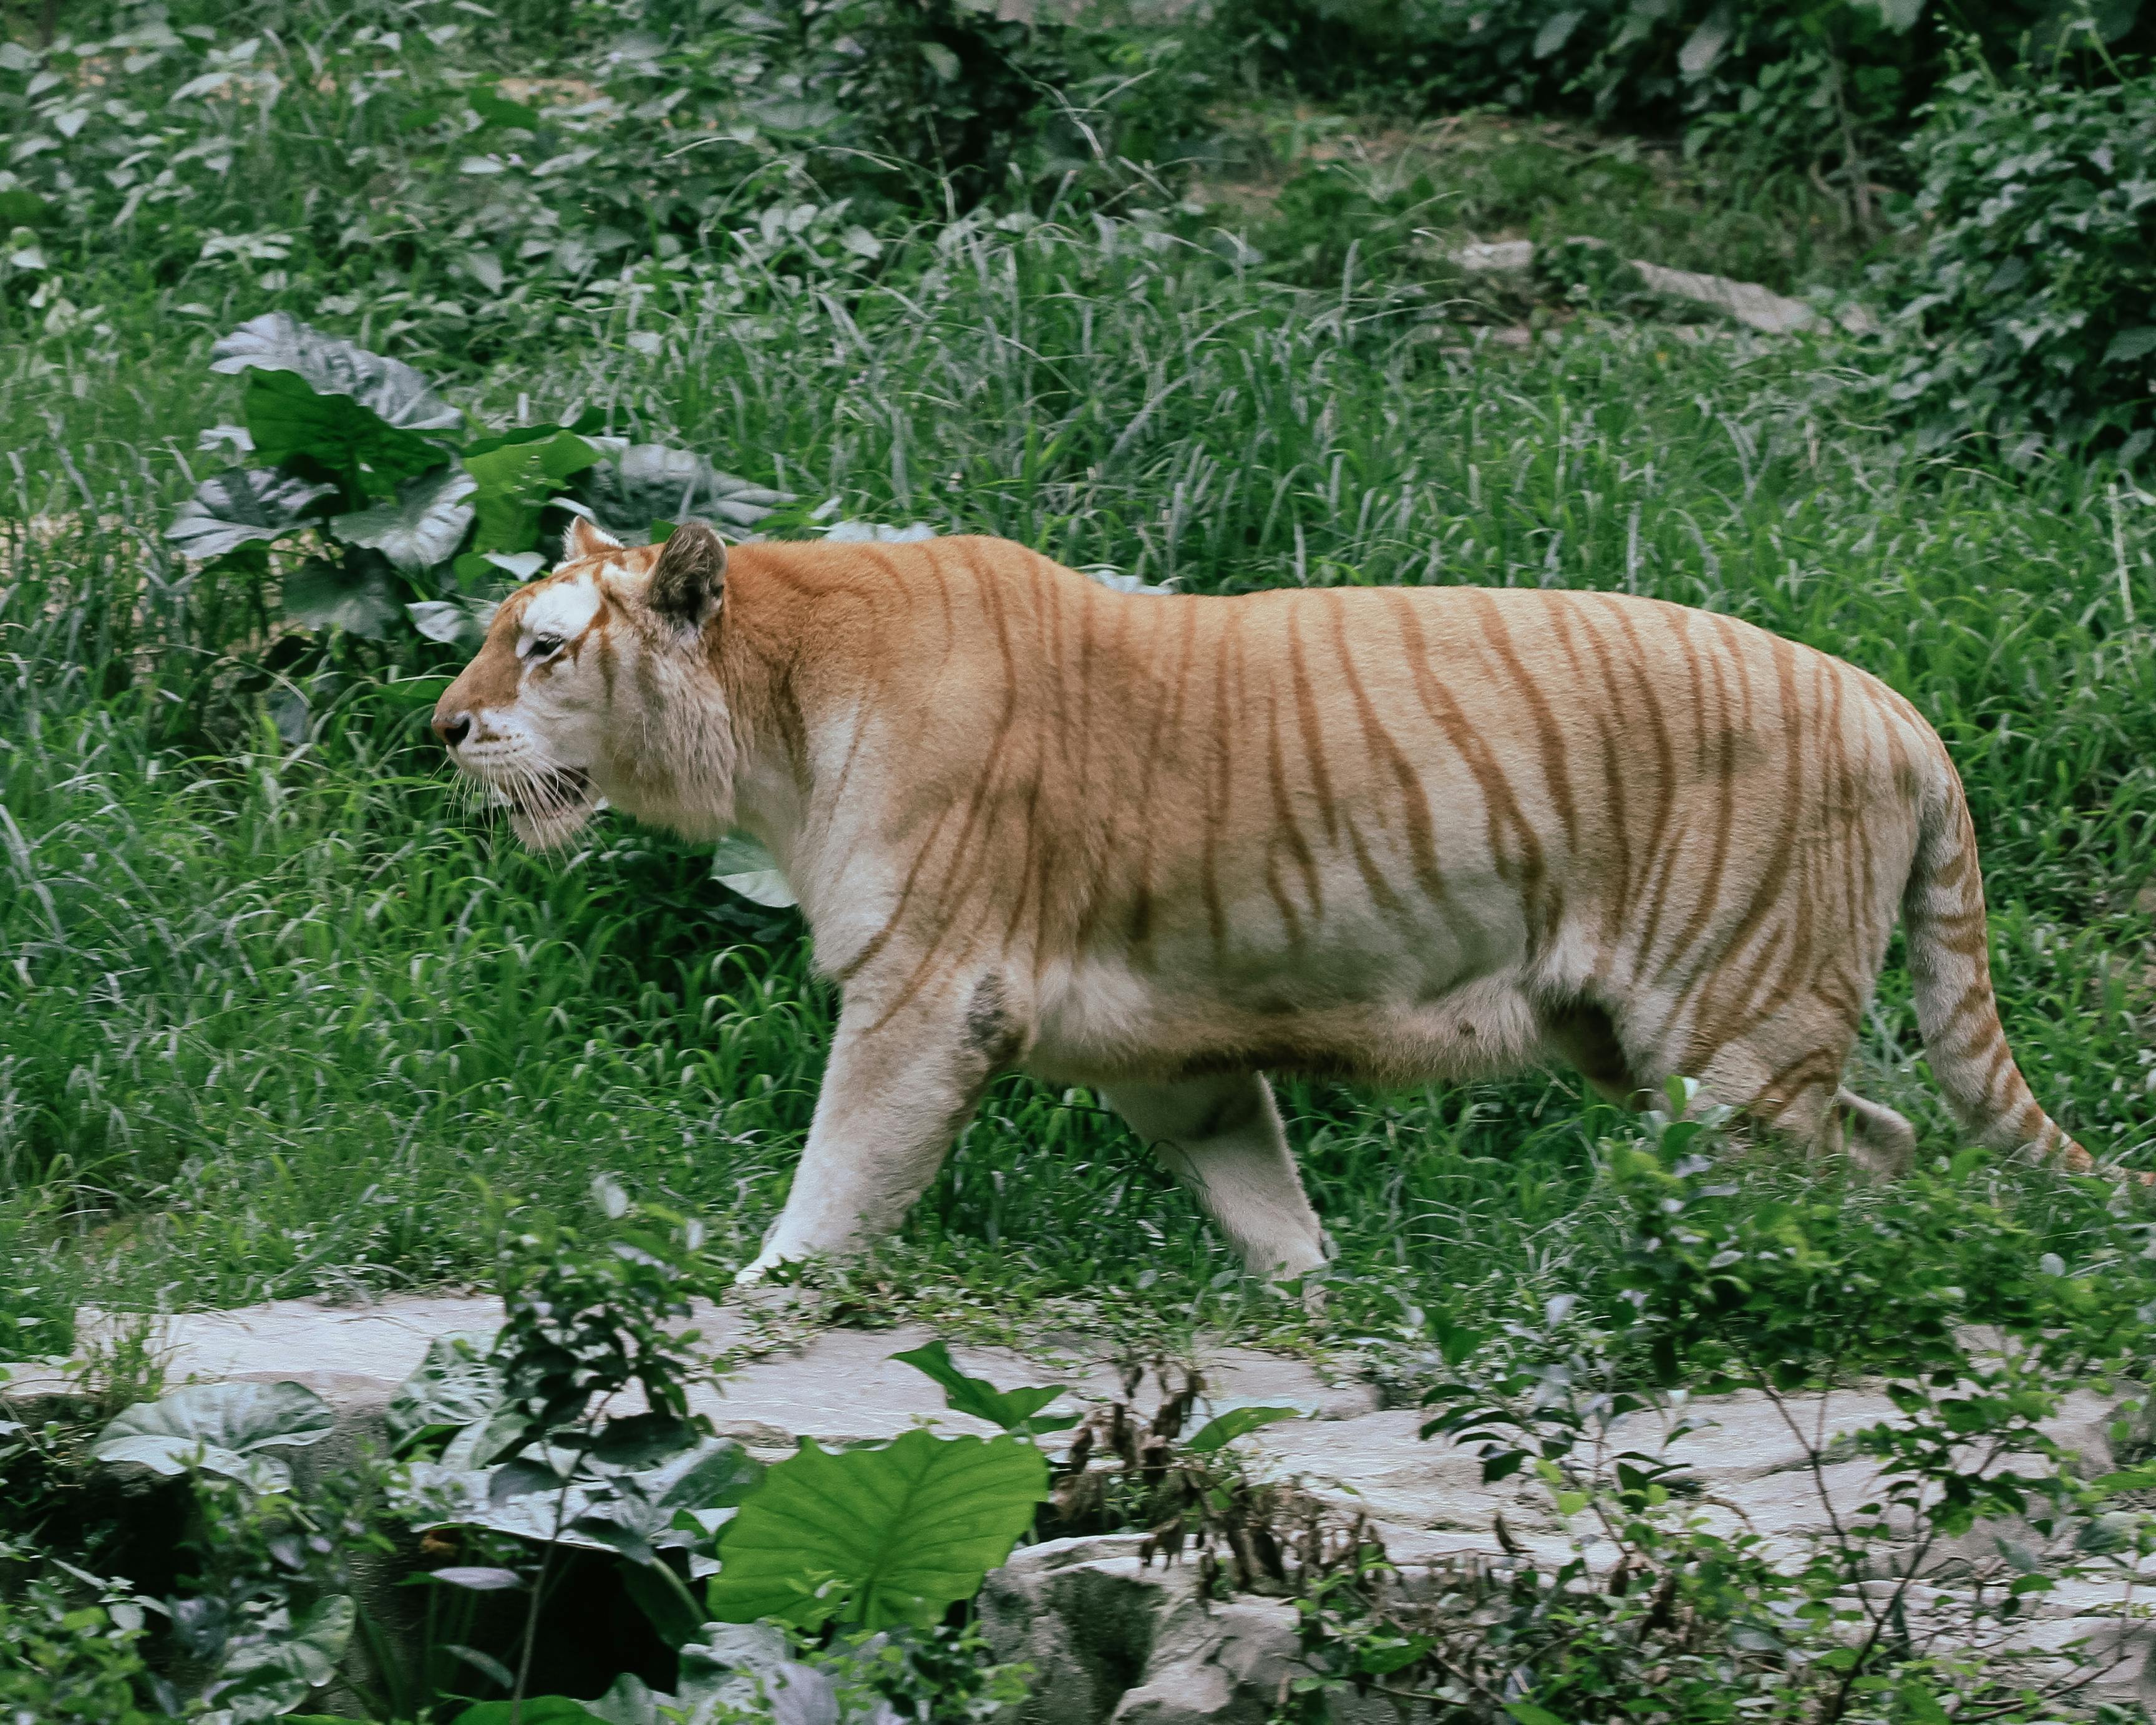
x=1106, y=1024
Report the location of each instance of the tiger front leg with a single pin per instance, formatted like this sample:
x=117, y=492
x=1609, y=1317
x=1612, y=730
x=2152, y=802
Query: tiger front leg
x=899, y=1086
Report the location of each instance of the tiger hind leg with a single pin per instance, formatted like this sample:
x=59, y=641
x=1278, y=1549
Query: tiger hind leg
x=1584, y=1036
x=1222, y=1137
x=1783, y=1083
x=1878, y=1141
x=1802, y=1103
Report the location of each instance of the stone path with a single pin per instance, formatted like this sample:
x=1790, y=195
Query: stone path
x=1427, y=1501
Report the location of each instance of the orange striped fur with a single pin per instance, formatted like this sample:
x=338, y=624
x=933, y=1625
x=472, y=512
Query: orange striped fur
x=1165, y=845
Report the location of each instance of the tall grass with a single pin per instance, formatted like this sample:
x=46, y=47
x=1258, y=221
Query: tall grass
x=276, y=1008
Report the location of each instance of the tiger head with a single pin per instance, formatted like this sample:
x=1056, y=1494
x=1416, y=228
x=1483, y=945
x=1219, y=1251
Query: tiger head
x=597, y=683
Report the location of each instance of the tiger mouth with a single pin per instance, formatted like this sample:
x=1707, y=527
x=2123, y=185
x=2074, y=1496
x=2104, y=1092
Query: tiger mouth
x=546, y=809
x=546, y=797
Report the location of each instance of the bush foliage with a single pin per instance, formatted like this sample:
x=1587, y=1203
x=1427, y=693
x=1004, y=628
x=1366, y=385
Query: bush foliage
x=2033, y=295
x=1826, y=81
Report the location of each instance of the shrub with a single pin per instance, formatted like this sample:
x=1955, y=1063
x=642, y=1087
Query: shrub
x=2034, y=294
x=408, y=527
x=1833, y=82
x=944, y=84
x=65, y=1658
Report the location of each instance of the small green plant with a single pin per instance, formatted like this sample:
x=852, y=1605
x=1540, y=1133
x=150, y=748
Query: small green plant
x=70, y=1650
x=266, y=1613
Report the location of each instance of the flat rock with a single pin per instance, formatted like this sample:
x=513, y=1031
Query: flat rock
x=1746, y=302
x=839, y=1386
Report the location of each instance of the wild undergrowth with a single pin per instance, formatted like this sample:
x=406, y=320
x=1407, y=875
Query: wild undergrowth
x=277, y=1007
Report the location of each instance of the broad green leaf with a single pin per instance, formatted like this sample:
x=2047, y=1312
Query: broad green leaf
x=514, y=479
x=455, y=623
x=455, y=1385
x=1528, y=1713
x=876, y=1537
x=1919, y=1705
x=643, y=483
x=267, y=1678
x=243, y=506
x=1556, y=31
x=1218, y=1432
x=1013, y=1410
x=313, y=395
x=1705, y=46
x=544, y=433
x=746, y=1671
x=353, y=595
x=632, y=1514
x=218, y=1427
x=388, y=389
x=534, y=1710
x=636, y=1514
x=2133, y=344
x=421, y=528
x=290, y=421
x=496, y=108
x=743, y=865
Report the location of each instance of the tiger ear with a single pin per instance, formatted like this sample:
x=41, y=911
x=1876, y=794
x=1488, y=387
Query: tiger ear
x=586, y=539
x=689, y=576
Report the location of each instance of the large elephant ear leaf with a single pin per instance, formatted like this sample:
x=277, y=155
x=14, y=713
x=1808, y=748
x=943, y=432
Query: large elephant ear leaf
x=290, y=421
x=312, y=395
x=353, y=595
x=268, y=1674
x=645, y=483
x=514, y=476
x=232, y=509
x=878, y=1536
x=221, y=1428
x=388, y=389
x=455, y=1385
x=421, y=528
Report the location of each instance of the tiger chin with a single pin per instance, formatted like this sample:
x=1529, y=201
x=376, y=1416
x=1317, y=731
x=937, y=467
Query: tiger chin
x=1165, y=845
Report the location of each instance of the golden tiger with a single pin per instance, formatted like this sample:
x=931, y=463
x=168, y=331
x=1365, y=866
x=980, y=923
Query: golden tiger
x=1163, y=845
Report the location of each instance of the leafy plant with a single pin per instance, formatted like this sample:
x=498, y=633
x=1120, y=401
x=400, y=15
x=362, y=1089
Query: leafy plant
x=70, y=1650
x=868, y=1546
x=371, y=481
x=1018, y=1411
x=2030, y=308
x=1123, y=1470
x=1831, y=85
x=266, y=1616
x=220, y=1428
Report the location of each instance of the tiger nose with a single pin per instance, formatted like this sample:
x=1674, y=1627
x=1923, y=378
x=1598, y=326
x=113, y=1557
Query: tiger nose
x=453, y=728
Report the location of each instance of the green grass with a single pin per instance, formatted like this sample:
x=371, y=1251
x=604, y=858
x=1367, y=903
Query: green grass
x=277, y=1012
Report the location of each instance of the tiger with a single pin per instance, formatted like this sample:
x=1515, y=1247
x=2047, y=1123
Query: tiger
x=1164, y=846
